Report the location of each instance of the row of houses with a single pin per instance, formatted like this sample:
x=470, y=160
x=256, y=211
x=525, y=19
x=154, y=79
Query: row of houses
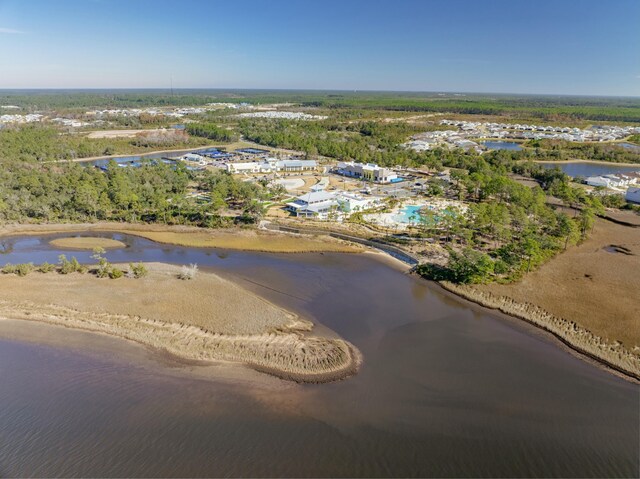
x=506, y=130
x=367, y=172
x=321, y=204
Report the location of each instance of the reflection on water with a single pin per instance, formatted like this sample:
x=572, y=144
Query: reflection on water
x=445, y=390
x=585, y=169
x=502, y=145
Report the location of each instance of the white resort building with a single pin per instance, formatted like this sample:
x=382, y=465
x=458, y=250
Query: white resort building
x=321, y=204
x=271, y=165
x=367, y=172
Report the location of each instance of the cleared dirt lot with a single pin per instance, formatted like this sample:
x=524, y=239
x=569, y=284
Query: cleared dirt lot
x=118, y=133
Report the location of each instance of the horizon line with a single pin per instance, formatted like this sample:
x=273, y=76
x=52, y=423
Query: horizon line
x=341, y=90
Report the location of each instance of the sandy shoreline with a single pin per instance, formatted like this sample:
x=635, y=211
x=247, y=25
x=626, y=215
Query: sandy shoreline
x=206, y=319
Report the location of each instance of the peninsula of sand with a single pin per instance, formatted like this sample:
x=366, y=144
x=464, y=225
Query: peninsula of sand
x=207, y=318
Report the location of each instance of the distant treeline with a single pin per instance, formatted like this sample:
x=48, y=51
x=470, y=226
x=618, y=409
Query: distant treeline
x=548, y=108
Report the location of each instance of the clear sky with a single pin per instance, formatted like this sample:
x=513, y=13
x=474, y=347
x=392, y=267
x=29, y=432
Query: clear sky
x=583, y=47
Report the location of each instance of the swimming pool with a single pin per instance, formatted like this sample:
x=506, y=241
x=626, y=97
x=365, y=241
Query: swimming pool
x=409, y=214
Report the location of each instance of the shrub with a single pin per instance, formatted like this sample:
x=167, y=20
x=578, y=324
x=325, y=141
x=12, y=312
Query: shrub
x=73, y=266
x=104, y=267
x=188, y=272
x=65, y=265
x=137, y=270
x=24, y=269
x=46, y=267
x=77, y=267
x=9, y=269
x=115, y=273
x=435, y=272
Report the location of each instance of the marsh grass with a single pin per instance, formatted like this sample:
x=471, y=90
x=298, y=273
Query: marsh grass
x=285, y=354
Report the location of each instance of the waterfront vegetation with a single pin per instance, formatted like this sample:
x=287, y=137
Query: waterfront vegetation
x=509, y=229
x=103, y=268
x=155, y=193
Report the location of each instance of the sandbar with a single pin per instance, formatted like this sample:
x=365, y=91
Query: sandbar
x=208, y=319
x=86, y=242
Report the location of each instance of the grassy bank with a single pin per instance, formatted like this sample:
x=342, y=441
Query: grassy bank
x=231, y=238
x=205, y=319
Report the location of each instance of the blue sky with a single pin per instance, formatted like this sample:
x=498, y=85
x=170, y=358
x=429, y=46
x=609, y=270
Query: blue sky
x=583, y=47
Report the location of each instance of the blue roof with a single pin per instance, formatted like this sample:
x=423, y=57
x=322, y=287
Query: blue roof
x=255, y=151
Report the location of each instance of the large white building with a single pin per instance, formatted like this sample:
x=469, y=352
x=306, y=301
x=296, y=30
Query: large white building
x=271, y=165
x=367, y=172
x=314, y=204
x=321, y=204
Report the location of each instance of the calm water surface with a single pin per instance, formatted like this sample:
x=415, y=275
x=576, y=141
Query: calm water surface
x=104, y=160
x=585, y=169
x=502, y=145
x=446, y=389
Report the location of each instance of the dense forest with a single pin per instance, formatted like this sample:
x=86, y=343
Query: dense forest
x=211, y=131
x=509, y=229
x=365, y=141
x=42, y=143
x=34, y=188
x=152, y=193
